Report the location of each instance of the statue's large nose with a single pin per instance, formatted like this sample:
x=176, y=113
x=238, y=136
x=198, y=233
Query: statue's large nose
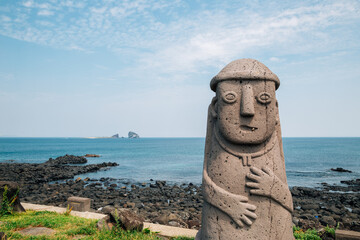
x=247, y=101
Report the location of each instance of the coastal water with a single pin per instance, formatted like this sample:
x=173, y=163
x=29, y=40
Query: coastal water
x=180, y=160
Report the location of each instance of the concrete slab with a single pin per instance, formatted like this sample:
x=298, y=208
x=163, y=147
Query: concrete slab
x=168, y=231
x=37, y=207
x=347, y=235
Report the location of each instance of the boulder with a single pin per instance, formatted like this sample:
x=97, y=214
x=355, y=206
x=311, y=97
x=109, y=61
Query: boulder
x=126, y=219
x=12, y=192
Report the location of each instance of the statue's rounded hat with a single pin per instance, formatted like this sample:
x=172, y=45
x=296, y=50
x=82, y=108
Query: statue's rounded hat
x=247, y=69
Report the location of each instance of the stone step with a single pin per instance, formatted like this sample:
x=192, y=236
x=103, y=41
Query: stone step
x=347, y=235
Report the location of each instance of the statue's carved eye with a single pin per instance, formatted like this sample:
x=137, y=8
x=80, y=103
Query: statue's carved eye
x=230, y=97
x=263, y=98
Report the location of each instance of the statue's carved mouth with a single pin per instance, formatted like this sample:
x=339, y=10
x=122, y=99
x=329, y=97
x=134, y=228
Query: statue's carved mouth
x=248, y=128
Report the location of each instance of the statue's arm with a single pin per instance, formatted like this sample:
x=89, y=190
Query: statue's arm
x=234, y=205
x=265, y=183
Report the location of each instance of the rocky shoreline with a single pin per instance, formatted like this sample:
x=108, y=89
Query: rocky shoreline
x=175, y=205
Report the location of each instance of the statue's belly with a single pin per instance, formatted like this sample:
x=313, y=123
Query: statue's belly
x=228, y=172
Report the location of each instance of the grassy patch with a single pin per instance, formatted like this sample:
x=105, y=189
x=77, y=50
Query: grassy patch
x=66, y=227
x=70, y=227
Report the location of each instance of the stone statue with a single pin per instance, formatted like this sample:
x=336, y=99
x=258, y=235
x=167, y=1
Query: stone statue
x=245, y=191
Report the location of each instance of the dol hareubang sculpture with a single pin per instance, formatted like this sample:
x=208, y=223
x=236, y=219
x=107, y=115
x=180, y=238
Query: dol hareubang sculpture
x=246, y=195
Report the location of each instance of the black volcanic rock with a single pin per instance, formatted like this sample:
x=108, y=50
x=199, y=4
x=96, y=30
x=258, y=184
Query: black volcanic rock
x=51, y=170
x=67, y=159
x=339, y=169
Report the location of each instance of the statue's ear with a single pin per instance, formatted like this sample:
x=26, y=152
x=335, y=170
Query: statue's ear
x=213, y=107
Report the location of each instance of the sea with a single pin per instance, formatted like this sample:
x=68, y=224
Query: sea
x=180, y=160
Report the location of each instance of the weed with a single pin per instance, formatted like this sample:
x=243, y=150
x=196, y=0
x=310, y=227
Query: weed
x=330, y=231
x=116, y=230
x=6, y=204
x=310, y=234
x=68, y=210
x=146, y=231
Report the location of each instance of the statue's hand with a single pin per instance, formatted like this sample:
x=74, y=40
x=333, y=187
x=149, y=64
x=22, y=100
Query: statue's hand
x=235, y=205
x=261, y=181
x=242, y=213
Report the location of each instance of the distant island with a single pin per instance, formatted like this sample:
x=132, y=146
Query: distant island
x=133, y=135
x=115, y=136
x=130, y=135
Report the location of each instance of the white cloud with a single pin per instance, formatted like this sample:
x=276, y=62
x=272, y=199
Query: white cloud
x=44, y=6
x=275, y=59
x=28, y=4
x=98, y=10
x=5, y=19
x=77, y=48
x=173, y=37
x=45, y=13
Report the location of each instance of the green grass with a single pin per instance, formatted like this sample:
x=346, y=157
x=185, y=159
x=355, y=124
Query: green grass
x=66, y=227
x=312, y=234
x=70, y=227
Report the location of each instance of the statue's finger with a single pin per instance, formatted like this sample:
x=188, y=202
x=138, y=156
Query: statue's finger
x=246, y=220
x=256, y=171
x=239, y=223
x=267, y=170
x=250, y=214
x=250, y=207
x=239, y=198
x=257, y=192
x=252, y=185
x=253, y=177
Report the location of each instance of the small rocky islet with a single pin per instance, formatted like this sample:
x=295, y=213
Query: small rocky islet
x=51, y=183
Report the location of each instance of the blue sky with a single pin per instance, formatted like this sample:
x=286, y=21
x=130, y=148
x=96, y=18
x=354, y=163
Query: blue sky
x=96, y=68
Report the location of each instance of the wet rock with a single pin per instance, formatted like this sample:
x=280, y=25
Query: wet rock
x=52, y=170
x=339, y=169
x=67, y=159
x=92, y=155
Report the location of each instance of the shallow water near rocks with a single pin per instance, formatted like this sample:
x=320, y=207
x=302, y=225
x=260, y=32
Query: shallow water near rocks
x=180, y=160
